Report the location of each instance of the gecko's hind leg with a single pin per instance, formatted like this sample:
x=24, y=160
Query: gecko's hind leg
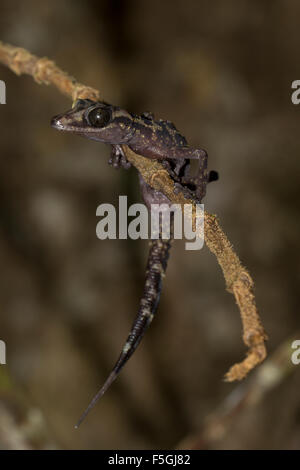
x=193, y=185
x=197, y=184
x=156, y=266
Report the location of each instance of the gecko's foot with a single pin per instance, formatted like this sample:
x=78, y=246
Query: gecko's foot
x=118, y=158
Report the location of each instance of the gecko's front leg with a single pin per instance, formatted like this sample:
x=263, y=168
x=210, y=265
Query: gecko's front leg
x=118, y=158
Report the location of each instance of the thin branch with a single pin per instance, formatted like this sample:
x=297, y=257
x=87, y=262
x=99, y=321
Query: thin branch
x=238, y=280
x=44, y=71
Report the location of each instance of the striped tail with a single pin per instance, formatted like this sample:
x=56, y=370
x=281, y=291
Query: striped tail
x=156, y=267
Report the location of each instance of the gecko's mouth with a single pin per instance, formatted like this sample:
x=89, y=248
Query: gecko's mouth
x=56, y=123
x=61, y=123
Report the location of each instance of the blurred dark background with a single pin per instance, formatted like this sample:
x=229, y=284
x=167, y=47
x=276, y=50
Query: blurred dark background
x=222, y=71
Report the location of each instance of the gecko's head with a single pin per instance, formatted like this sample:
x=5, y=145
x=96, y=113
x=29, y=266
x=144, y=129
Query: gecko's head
x=96, y=120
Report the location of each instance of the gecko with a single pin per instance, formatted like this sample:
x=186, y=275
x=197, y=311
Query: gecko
x=154, y=139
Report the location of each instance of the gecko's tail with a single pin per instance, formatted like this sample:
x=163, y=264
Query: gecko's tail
x=156, y=267
x=112, y=376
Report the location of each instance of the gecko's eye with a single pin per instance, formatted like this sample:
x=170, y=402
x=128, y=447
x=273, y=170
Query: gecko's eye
x=98, y=117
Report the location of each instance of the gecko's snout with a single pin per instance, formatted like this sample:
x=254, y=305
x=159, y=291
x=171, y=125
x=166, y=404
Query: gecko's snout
x=56, y=123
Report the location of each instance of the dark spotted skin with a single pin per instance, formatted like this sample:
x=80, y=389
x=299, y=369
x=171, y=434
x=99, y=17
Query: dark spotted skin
x=144, y=135
x=152, y=139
